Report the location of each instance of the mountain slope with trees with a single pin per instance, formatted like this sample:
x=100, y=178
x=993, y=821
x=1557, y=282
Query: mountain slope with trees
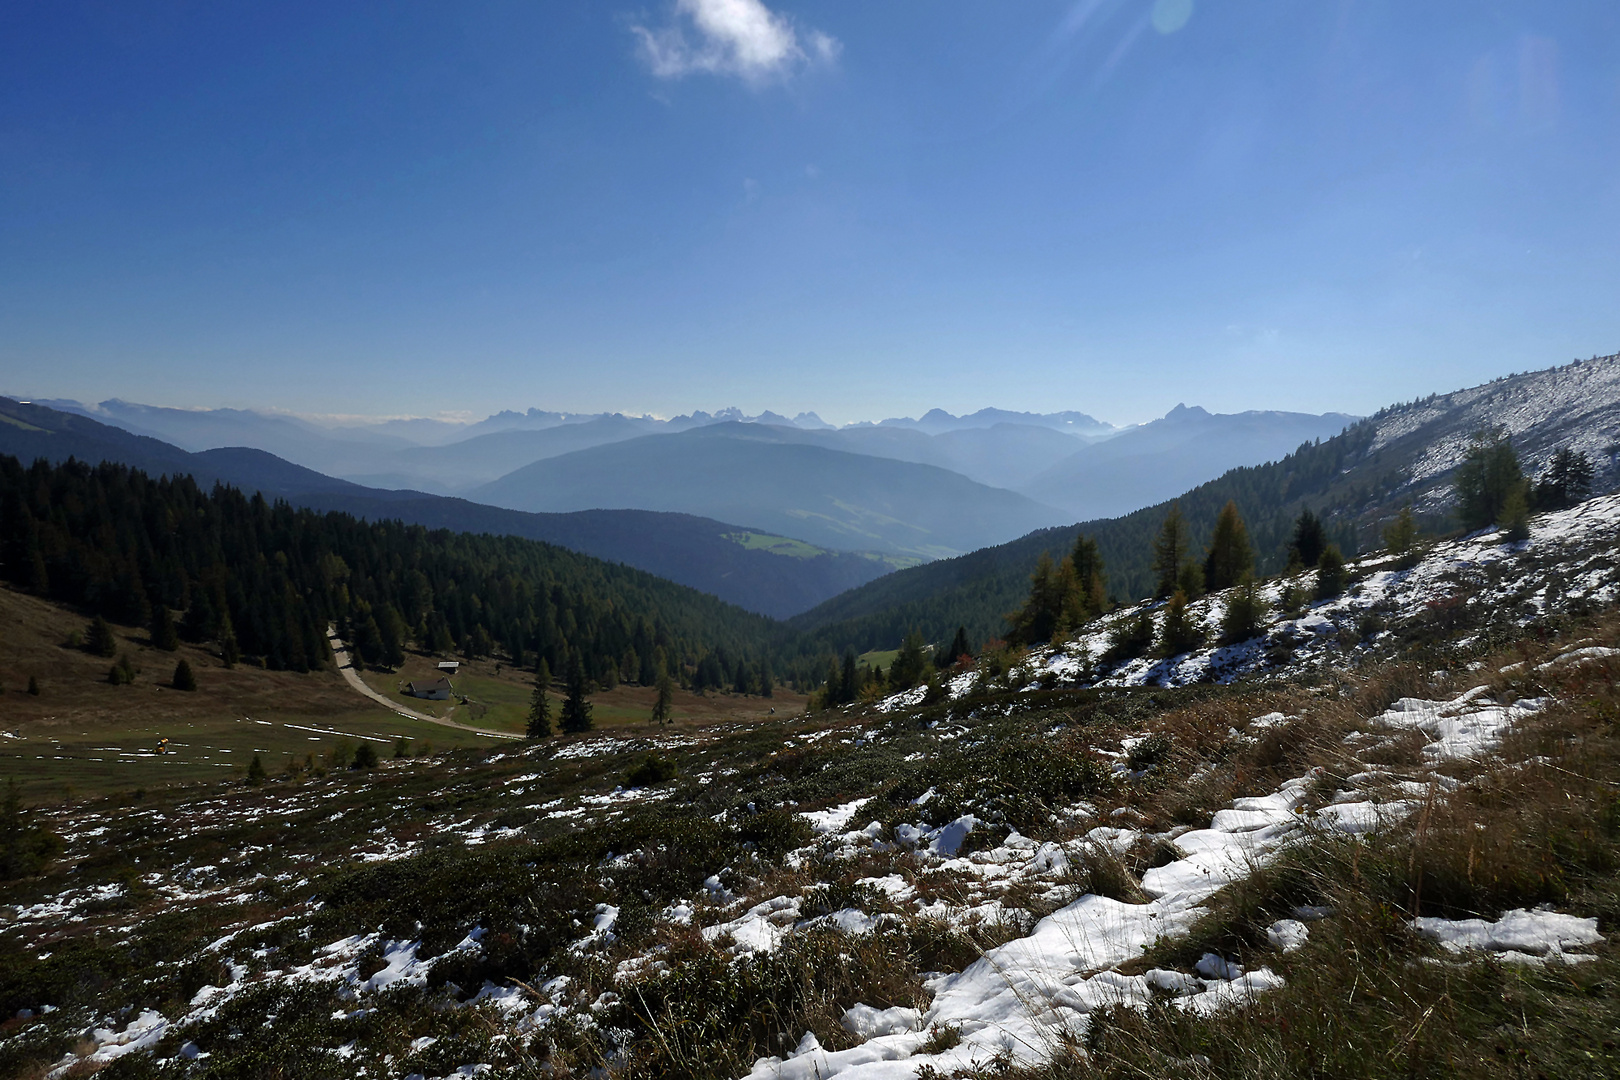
x=766, y=477
x=1357, y=484
x=709, y=555
x=263, y=580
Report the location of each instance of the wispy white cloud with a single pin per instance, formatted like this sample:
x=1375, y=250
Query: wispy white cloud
x=742, y=38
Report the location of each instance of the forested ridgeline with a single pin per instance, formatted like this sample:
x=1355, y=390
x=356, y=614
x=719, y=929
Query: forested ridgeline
x=262, y=580
x=978, y=590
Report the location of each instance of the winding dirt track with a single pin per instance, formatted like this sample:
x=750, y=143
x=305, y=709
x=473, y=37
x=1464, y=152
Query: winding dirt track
x=340, y=653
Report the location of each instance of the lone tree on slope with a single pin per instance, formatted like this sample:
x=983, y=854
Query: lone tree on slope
x=1310, y=540
x=1488, y=475
x=1169, y=552
x=576, y=710
x=661, y=713
x=1230, y=554
x=539, y=707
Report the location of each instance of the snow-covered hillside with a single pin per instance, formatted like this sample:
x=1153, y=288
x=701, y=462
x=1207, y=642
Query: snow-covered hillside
x=1575, y=406
x=1570, y=562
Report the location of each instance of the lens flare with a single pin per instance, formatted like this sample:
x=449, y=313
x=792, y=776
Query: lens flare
x=1171, y=15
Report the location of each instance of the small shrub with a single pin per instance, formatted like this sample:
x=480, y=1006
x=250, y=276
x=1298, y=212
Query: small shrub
x=650, y=770
x=25, y=847
x=33, y=685
x=1182, y=633
x=775, y=832
x=1148, y=751
x=365, y=757
x=123, y=672
x=255, y=771
x=1129, y=639
x=1331, y=574
x=1245, y=613
x=339, y=756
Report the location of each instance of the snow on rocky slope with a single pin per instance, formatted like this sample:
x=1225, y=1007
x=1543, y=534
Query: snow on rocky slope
x=1575, y=406
x=1024, y=999
x=1572, y=560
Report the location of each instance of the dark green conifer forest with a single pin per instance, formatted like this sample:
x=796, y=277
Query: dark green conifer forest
x=261, y=581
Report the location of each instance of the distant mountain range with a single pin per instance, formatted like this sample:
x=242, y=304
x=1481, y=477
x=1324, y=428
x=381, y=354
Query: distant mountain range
x=1156, y=461
x=992, y=446
x=761, y=572
x=849, y=503
x=782, y=480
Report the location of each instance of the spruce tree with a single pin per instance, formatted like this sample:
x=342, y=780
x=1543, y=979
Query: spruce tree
x=1516, y=513
x=1245, y=613
x=255, y=771
x=1330, y=573
x=958, y=648
x=1231, y=556
x=183, y=678
x=1180, y=632
x=99, y=639
x=910, y=663
x=1401, y=534
x=1488, y=475
x=539, y=707
x=163, y=633
x=1310, y=538
x=576, y=710
x=1567, y=481
x=663, y=704
x=1169, y=552
x=33, y=685
x=229, y=650
x=849, y=684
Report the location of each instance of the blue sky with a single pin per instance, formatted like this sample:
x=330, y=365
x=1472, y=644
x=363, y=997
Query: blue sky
x=862, y=209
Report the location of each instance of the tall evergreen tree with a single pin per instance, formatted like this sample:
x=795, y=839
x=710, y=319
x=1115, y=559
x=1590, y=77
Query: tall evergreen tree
x=910, y=663
x=230, y=650
x=1401, y=534
x=958, y=648
x=98, y=639
x=576, y=710
x=1489, y=473
x=1169, y=552
x=184, y=678
x=664, y=702
x=1567, y=481
x=1231, y=556
x=539, y=705
x=1331, y=574
x=163, y=633
x=1310, y=538
x=849, y=683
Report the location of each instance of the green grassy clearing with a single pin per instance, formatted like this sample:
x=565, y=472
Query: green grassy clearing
x=776, y=545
